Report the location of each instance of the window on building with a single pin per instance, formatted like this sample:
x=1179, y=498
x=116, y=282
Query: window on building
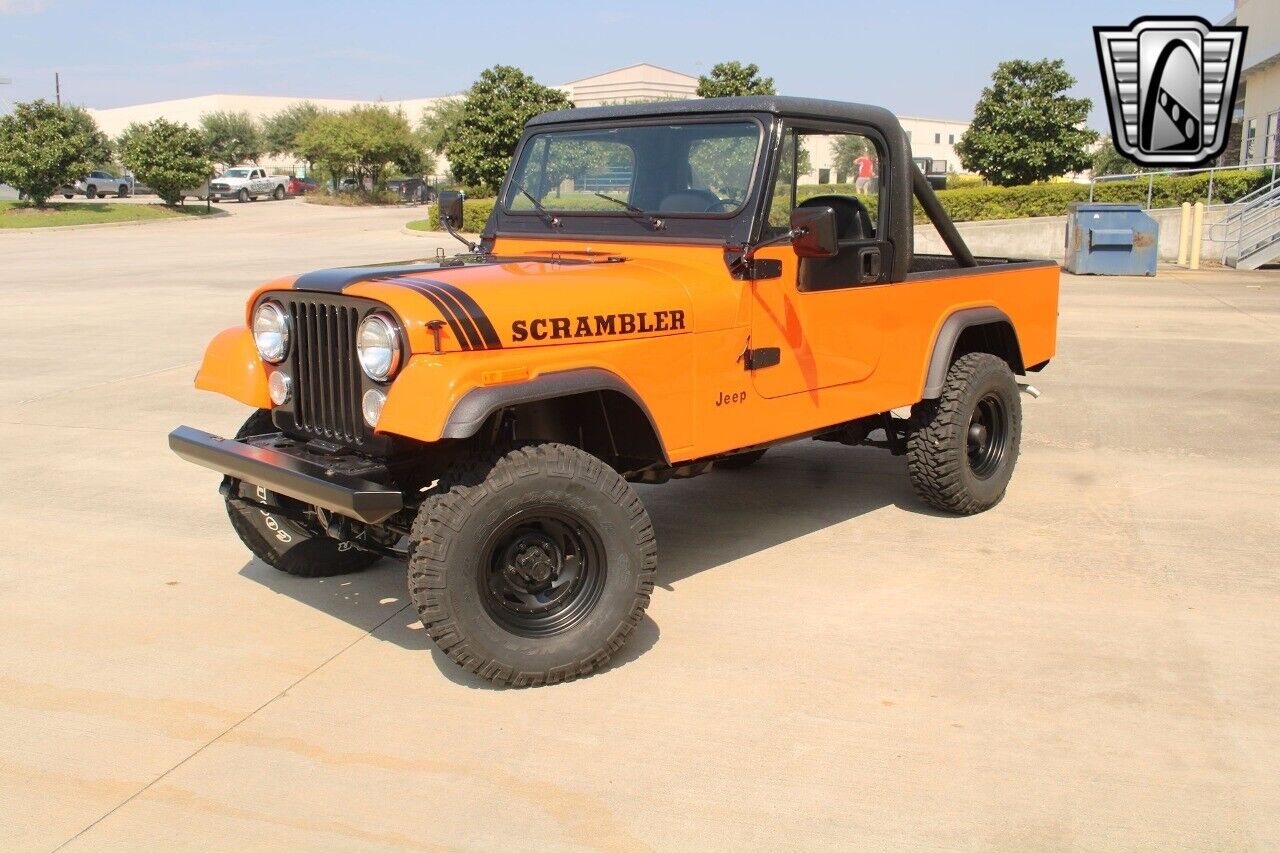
x=1271, y=138
x=951, y=139
x=937, y=137
x=1250, y=138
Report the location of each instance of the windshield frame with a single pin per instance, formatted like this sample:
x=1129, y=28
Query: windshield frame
x=627, y=225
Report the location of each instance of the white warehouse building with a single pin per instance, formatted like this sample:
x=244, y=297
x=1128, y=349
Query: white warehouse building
x=934, y=138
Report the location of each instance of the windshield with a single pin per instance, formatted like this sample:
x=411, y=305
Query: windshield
x=669, y=169
x=237, y=173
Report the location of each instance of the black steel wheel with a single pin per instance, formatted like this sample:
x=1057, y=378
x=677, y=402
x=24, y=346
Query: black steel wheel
x=533, y=565
x=963, y=446
x=987, y=438
x=544, y=570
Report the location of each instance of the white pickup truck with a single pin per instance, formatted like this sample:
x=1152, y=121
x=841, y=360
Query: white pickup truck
x=247, y=182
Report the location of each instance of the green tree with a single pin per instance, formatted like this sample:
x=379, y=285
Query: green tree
x=231, y=138
x=1025, y=128
x=733, y=79
x=170, y=158
x=1108, y=161
x=362, y=142
x=435, y=127
x=280, y=131
x=493, y=116
x=44, y=147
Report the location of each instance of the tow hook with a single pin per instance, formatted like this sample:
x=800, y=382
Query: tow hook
x=1028, y=388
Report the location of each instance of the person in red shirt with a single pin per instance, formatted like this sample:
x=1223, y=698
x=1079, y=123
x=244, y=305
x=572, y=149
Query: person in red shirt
x=865, y=172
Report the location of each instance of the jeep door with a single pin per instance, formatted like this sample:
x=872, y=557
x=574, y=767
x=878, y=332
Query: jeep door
x=825, y=316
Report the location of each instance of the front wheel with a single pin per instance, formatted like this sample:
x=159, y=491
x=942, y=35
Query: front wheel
x=964, y=445
x=534, y=566
x=242, y=196
x=91, y=191
x=281, y=540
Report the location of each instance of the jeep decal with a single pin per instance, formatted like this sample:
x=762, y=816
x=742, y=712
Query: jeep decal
x=600, y=325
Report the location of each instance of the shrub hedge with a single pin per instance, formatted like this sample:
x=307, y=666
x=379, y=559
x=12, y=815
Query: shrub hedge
x=1051, y=199
x=475, y=213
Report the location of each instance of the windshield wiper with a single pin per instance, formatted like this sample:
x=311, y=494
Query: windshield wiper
x=553, y=221
x=657, y=223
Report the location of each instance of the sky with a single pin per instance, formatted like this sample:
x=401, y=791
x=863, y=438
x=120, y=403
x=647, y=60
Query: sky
x=917, y=57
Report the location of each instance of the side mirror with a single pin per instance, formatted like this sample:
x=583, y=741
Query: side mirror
x=449, y=203
x=813, y=232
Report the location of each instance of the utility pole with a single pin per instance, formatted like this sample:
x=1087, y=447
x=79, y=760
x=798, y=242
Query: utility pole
x=57, y=87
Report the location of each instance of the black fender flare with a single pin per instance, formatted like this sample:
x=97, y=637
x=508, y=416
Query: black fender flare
x=475, y=407
x=945, y=343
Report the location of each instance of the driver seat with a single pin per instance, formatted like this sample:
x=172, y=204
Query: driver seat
x=688, y=201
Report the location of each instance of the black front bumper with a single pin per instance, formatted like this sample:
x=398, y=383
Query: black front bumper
x=308, y=480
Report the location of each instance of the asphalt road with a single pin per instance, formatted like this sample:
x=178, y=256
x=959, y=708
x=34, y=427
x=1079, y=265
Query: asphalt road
x=826, y=664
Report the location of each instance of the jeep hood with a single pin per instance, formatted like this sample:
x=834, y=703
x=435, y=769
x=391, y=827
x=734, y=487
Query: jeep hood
x=518, y=302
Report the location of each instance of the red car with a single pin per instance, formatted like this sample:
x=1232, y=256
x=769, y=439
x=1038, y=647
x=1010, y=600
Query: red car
x=298, y=186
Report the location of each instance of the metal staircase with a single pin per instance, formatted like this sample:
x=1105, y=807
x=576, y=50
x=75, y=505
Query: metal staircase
x=1250, y=232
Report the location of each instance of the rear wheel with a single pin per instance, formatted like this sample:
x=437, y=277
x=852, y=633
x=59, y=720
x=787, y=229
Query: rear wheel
x=282, y=540
x=122, y=191
x=278, y=194
x=534, y=566
x=964, y=445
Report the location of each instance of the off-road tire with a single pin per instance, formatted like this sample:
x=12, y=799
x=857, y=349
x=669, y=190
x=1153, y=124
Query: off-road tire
x=242, y=196
x=740, y=460
x=456, y=541
x=285, y=543
x=278, y=195
x=938, y=455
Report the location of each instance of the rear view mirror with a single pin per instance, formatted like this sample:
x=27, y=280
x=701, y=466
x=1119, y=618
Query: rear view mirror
x=813, y=232
x=450, y=206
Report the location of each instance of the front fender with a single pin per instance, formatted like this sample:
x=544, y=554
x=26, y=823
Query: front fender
x=232, y=367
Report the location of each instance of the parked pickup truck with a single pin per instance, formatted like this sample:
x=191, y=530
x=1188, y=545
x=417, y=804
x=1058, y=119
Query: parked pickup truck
x=482, y=417
x=245, y=183
x=935, y=171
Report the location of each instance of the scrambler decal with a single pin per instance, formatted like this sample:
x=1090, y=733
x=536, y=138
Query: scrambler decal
x=598, y=326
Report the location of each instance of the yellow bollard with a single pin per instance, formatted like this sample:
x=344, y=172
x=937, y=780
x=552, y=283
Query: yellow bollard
x=1196, y=229
x=1184, y=234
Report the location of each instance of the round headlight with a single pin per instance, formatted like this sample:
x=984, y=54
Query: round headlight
x=271, y=332
x=378, y=346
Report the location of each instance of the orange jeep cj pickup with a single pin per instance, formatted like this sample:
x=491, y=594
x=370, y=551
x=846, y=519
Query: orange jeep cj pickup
x=656, y=294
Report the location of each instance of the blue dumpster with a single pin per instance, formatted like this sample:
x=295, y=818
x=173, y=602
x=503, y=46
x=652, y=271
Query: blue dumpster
x=1110, y=239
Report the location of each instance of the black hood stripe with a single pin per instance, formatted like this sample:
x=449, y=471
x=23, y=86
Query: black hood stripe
x=490, y=334
x=446, y=310
x=465, y=320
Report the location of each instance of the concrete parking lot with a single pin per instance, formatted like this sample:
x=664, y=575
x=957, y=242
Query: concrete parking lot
x=826, y=664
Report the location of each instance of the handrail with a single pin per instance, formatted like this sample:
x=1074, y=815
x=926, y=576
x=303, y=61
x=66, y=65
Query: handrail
x=1274, y=165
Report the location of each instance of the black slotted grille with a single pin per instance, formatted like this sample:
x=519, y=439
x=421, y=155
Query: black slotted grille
x=327, y=378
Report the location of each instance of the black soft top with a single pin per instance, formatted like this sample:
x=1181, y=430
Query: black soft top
x=814, y=108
